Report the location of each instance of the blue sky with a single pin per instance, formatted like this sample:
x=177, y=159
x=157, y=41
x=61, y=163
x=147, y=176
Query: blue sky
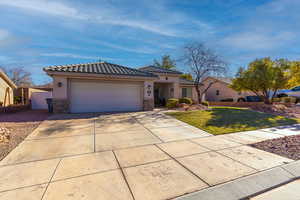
x=39, y=33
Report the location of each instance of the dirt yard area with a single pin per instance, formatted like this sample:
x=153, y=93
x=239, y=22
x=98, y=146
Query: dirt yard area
x=14, y=127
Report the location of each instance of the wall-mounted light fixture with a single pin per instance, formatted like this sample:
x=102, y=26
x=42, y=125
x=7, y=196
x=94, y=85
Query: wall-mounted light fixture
x=149, y=90
x=59, y=84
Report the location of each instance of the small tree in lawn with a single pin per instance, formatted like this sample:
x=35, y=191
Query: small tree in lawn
x=263, y=77
x=202, y=62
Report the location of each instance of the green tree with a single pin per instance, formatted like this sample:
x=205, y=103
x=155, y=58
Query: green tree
x=264, y=77
x=293, y=73
x=187, y=76
x=166, y=62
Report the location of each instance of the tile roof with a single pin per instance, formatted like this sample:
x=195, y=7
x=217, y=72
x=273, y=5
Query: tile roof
x=186, y=82
x=155, y=69
x=222, y=79
x=100, y=68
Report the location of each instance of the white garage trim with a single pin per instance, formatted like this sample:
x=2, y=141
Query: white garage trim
x=105, y=96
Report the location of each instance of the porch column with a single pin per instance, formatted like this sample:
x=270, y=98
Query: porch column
x=148, y=103
x=176, y=92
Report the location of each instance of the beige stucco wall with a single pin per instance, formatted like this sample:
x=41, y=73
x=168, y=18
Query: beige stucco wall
x=60, y=92
x=148, y=89
x=10, y=98
x=168, y=79
x=224, y=92
x=173, y=89
x=194, y=92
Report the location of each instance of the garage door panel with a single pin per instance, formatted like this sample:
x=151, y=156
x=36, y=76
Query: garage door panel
x=105, y=97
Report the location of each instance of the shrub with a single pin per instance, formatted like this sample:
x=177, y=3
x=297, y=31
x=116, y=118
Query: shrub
x=227, y=100
x=276, y=100
x=205, y=103
x=17, y=99
x=186, y=100
x=288, y=99
x=172, y=103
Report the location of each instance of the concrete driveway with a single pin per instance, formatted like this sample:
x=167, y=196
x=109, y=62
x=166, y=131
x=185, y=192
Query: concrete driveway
x=144, y=155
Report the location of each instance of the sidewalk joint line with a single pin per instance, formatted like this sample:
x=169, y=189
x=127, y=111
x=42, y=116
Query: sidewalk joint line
x=122, y=172
x=50, y=179
x=209, y=185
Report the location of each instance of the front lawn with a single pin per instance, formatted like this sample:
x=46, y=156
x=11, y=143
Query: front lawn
x=222, y=120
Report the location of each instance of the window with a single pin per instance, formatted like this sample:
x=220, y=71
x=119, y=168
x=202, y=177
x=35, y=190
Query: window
x=186, y=92
x=217, y=92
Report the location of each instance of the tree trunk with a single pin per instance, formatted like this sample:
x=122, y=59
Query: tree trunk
x=267, y=100
x=199, y=96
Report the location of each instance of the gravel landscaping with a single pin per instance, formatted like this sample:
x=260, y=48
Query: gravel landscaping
x=292, y=111
x=14, y=127
x=288, y=146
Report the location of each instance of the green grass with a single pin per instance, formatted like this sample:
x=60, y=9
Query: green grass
x=222, y=120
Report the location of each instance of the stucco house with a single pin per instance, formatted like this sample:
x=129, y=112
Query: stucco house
x=7, y=88
x=220, y=90
x=106, y=87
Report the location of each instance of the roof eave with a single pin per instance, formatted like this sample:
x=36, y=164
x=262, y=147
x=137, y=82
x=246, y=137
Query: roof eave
x=165, y=74
x=210, y=77
x=7, y=79
x=78, y=74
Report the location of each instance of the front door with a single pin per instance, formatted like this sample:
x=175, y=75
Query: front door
x=156, y=96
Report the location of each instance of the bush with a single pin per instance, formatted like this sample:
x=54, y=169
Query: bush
x=276, y=100
x=288, y=99
x=186, y=100
x=172, y=103
x=227, y=100
x=205, y=103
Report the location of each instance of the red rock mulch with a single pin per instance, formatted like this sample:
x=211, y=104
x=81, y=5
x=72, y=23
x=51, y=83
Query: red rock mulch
x=288, y=146
x=186, y=107
x=292, y=111
x=14, y=128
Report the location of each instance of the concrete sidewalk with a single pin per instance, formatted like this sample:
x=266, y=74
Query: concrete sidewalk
x=144, y=155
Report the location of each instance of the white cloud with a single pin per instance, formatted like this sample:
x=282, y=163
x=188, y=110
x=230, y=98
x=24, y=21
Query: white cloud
x=271, y=27
x=144, y=50
x=8, y=40
x=70, y=55
x=257, y=40
x=44, y=6
x=4, y=34
x=159, y=20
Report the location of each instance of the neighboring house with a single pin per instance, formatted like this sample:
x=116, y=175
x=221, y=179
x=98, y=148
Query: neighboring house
x=36, y=96
x=220, y=90
x=106, y=87
x=7, y=88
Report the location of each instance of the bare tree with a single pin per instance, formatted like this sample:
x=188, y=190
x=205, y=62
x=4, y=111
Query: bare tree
x=19, y=76
x=203, y=62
